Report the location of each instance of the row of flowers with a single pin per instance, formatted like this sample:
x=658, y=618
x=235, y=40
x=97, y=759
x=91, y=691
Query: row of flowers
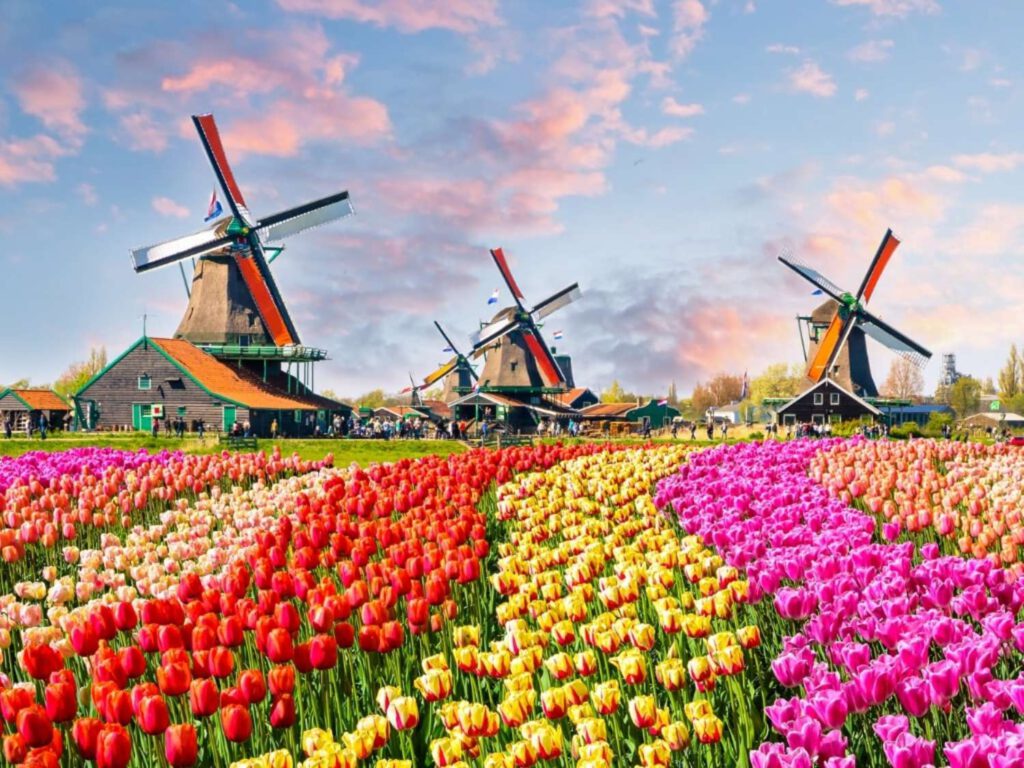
x=890, y=652
x=243, y=611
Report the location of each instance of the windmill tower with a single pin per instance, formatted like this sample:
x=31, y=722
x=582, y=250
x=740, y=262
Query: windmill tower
x=458, y=374
x=838, y=327
x=518, y=360
x=235, y=310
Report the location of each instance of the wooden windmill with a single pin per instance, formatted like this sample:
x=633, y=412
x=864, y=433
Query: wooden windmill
x=458, y=374
x=234, y=299
x=518, y=360
x=838, y=327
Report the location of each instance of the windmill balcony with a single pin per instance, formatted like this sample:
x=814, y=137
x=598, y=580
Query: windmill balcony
x=291, y=353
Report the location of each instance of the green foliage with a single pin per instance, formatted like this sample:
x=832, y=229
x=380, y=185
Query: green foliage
x=616, y=394
x=1011, y=375
x=778, y=380
x=965, y=396
x=936, y=422
x=19, y=384
x=79, y=372
x=905, y=431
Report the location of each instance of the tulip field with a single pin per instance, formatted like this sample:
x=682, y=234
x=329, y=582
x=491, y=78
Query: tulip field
x=817, y=602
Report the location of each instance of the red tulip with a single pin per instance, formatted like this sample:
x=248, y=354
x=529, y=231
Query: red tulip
x=169, y=636
x=323, y=652
x=181, y=747
x=83, y=639
x=282, y=680
x=233, y=695
x=132, y=662
x=154, y=716
x=125, y=617
x=117, y=707
x=302, y=660
x=282, y=712
x=102, y=620
x=40, y=660
x=221, y=662
x=140, y=692
x=236, y=722
x=42, y=758
x=34, y=726
x=345, y=634
x=113, y=747
x=84, y=733
x=417, y=610
x=203, y=638
x=13, y=700
x=61, y=702
x=279, y=646
x=369, y=639
x=203, y=697
x=252, y=685
x=230, y=633
x=15, y=749
x=173, y=679
x=287, y=616
x=109, y=670
x=392, y=636
x=147, y=638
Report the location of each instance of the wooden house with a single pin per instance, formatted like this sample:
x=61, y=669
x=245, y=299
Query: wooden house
x=826, y=403
x=28, y=405
x=166, y=379
x=577, y=397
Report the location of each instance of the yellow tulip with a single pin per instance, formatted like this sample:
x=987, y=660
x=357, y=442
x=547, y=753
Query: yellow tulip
x=697, y=708
x=676, y=735
x=523, y=752
x=642, y=637
x=468, y=635
x=514, y=683
x=393, y=764
x=553, y=702
x=592, y=729
x=708, y=729
x=585, y=663
x=472, y=717
x=497, y=664
x=547, y=740
x=445, y=751
x=437, y=661
x=670, y=674
x=385, y=696
x=749, y=637
x=448, y=713
x=631, y=666
x=361, y=741
x=563, y=632
x=499, y=760
x=599, y=750
x=376, y=725
x=516, y=708
x=403, y=713
x=654, y=755
x=559, y=665
x=466, y=658
x=643, y=711
x=315, y=739
x=435, y=684
x=606, y=697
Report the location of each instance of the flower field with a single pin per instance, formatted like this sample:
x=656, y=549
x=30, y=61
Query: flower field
x=831, y=603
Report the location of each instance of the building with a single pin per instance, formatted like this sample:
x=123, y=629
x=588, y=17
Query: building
x=826, y=403
x=577, y=397
x=993, y=419
x=919, y=414
x=27, y=405
x=659, y=415
x=164, y=379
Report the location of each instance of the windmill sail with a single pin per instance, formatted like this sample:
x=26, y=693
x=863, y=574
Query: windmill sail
x=878, y=264
x=814, y=277
x=552, y=304
x=898, y=342
x=299, y=219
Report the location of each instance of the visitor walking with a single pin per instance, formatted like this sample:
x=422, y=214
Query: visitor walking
x=8, y=427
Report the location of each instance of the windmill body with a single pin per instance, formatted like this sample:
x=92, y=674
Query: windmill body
x=838, y=327
x=458, y=374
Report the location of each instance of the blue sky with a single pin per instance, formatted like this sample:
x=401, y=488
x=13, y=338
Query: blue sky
x=660, y=153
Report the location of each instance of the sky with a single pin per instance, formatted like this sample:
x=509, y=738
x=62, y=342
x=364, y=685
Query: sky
x=661, y=153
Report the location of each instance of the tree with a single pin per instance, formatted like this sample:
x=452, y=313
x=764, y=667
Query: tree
x=79, y=372
x=778, y=380
x=988, y=386
x=905, y=380
x=673, y=395
x=720, y=390
x=19, y=384
x=375, y=398
x=1010, y=375
x=616, y=394
x=965, y=396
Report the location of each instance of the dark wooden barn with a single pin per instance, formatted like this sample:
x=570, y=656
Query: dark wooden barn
x=164, y=379
x=28, y=405
x=826, y=403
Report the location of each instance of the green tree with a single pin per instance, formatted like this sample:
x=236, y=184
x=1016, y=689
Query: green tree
x=19, y=384
x=778, y=380
x=1010, y=375
x=616, y=394
x=375, y=398
x=673, y=395
x=965, y=396
x=79, y=372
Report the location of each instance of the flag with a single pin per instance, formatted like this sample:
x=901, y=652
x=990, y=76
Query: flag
x=817, y=292
x=214, y=209
x=494, y=297
x=663, y=402
x=558, y=335
x=407, y=389
x=447, y=349
x=745, y=388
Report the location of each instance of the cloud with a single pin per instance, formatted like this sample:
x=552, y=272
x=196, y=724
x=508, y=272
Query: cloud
x=142, y=132
x=990, y=162
x=898, y=8
x=670, y=106
x=997, y=229
x=87, y=192
x=1000, y=82
x=599, y=9
x=871, y=51
x=812, y=79
x=53, y=94
x=861, y=94
x=29, y=160
x=790, y=50
x=689, y=18
x=167, y=207
x=409, y=16
x=885, y=128
x=741, y=98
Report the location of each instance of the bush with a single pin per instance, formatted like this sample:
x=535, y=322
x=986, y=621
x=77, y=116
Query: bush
x=906, y=431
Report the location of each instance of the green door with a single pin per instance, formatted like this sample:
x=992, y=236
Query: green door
x=142, y=416
x=229, y=417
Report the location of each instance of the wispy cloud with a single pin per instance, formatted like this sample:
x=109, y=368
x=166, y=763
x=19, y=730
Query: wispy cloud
x=689, y=17
x=672, y=107
x=811, y=78
x=898, y=8
x=871, y=51
x=411, y=16
x=54, y=94
x=990, y=162
x=167, y=207
x=790, y=50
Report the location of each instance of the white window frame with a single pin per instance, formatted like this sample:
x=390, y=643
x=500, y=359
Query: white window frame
x=833, y=398
x=819, y=398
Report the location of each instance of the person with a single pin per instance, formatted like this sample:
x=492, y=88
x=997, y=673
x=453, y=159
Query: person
x=646, y=426
x=273, y=429
x=711, y=430
x=8, y=427
x=693, y=430
x=156, y=427
x=675, y=429
x=42, y=426
x=483, y=430
x=200, y=428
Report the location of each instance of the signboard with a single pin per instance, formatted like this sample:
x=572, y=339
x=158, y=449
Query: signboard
x=995, y=405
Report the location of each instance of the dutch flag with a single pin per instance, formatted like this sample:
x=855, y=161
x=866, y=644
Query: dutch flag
x=447, y=349
x=494, y=297
x=663, y=402
x=214, y=210
x=558, y=335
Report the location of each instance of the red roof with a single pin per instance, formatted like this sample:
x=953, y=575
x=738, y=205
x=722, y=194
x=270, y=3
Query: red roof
x=236, y=384
x=41, y=399
x=609, y=410
x=570, y=396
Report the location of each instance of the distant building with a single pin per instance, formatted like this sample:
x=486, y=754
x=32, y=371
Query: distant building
x=949, y=374
x=21, y=405
x=919, y=414
x=826, y=403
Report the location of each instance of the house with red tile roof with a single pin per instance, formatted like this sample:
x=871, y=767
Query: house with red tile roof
x=20, y=405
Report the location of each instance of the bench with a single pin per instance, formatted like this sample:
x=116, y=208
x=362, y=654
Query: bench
x=238, y=443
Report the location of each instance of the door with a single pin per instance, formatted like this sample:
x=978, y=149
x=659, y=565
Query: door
x=229, y=417
x=142, y=416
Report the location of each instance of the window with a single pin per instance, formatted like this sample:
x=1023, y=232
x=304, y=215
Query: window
x=176, y=383
x=244, y=341
x=833, y=398
x=817, y=418
x=181, y=410
x=145, y=382
x=835, y=418
x=819, y=398
x=789, y=418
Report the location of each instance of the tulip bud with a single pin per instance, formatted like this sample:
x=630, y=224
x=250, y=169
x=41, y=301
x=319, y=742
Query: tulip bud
x=181, y=746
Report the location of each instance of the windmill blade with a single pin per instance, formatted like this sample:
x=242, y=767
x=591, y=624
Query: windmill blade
x=499, y=258
x=179, y=249
x=440, y=373
x=826, y=351
x=210, y=136
x=448, y=341
x=265, y=295
x=885, y=251
x=303, y=217
x=491, y=333
x=550, y=373
x=554, y=303
x=898, y=342
x=814, y=277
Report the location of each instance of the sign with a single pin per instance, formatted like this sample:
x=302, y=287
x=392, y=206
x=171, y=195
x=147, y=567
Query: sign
x=995, y=405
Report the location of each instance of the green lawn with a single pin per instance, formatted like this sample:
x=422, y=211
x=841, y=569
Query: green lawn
x=345, y=451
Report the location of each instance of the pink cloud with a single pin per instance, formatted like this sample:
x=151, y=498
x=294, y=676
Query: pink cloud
x=990, y=162
x=142, y=132
x=996, y=230
x=672, y=107
x=410, y=16
x=619, y=8
x=811, y=78
x=871, y=51
x=29, y=160
x=688, y=20
x=87, y=192
x=167, y=207
x=898, y=8
x=53, y=94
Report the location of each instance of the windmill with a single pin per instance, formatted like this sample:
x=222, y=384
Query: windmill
x=517, y=357
x=459, y=372
x=838, y=327
x=234, y=299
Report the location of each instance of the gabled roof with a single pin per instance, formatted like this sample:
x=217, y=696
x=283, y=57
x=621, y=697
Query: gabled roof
x=867, y=406
x=570, y=396
x=608, y=410
x=38, y=399
x=545, y=407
